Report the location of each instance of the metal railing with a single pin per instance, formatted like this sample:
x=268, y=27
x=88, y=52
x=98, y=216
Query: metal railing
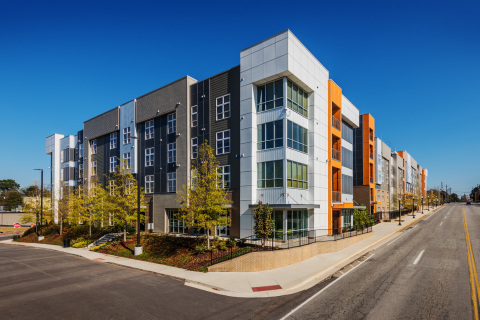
x=335, y=154
x=371, y=137
x=335, y=123
x=371, y=155
x=336, y=196
x=371, y=179
x=371, y=198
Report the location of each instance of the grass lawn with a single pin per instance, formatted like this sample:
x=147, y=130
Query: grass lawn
x=10, y=230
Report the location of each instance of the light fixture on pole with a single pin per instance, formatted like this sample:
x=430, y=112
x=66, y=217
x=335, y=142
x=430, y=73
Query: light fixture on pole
x=40, y=236
x=413, y=207
x=138, y=248
x=399, y=213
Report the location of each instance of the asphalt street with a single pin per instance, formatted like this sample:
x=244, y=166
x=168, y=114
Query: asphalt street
x=422, y=273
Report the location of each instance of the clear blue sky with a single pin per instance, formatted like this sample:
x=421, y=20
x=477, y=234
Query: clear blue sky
x=414, y=65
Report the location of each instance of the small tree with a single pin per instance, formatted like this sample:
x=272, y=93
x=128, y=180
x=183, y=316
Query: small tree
x=264, y=224
x=204, y=203
x=8, y=184
x=362, y=218
x=32, y=209
x=64, y=205
x=13, y=199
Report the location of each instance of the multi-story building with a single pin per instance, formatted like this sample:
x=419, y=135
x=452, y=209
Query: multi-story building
x=382, y=177
x=282, y=131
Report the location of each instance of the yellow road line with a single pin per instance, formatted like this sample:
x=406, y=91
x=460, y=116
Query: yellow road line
x=472, y=270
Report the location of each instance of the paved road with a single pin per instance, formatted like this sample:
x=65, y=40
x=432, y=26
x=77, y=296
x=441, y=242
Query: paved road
x=421, y=274
x=45, y=284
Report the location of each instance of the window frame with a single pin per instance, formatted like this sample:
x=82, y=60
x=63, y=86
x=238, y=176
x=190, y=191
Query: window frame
x=127, y=160
x=223, y=176
x=93, y=146
x=194, y=148
x=263, y=181
x=224, y=106
x=150, y=157
x=301, y=133
x=114, y=163
x=300, y=177
x=172, y=182
x=276, y=101
x=94, y=167
x=194, y=122
x=113, y=140
x=263, y=133
x=127, y=132
x=149, y=129
x=172, y=152
x=293, y=102
x=149, y=184
x=172, y=123
x=222, y=140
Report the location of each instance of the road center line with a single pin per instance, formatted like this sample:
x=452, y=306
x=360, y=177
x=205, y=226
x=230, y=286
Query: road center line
x=419, y=257
x=319, y=292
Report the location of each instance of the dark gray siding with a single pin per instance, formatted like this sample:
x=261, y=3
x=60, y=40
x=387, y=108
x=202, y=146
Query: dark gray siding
x=358, y=155
x=227, y=82
x=101, y=125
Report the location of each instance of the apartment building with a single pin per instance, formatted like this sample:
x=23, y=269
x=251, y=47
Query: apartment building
x=382, y=177
x=283, y=132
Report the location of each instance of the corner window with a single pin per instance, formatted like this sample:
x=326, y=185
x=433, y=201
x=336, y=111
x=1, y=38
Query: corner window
x=270, y=135
x=113, y=164
x=223, y=142
x=297, y=175
x=194, y=116
x=126, y=134
x=297, y=99
x=149, y=157
x=149, y=184
x=270, y=96
x=113, y=140
x=149, y=130
x=172, y=122
x=270, y=174
x=93, y=146
x=194, y=148
x=172, y=181
x=172, y=152
x=223, y=107
x=297, y=137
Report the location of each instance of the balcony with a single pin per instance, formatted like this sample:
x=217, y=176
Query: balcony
x=371, y=179
x=335, y=123
x=371, y=155
x=335, y=154
x=371, y=198
x=371, y=137
x=336, y=196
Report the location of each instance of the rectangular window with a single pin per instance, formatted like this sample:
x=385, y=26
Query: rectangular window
x=347, y=218
x=172, y=152
x=113, y=140
x=224, y=172
x=113, y=164
x=80, y=150
x=111, y=185
x=223, y=142
x=194, y=116
x=127, y=160
x=94, y=167
x=270, y=135
x=172, y=181
x=175, y=225
x=149, y=157
x=297, y=137
x=270, y=96
x=126, y=135
x=172, y=122
x=194, y=148
x=347, y=158
x=149, y=131
x=149, y=184
x=93, y=146
x=297, y=175
x=347, y=184
x=347, y=132
x=297, y=99
x=223, y=107
x=270, y=174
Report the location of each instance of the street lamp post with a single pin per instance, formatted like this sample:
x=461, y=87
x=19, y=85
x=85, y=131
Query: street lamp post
x=399, y=213
x=40, y=237
x=138, y=248
x=413, y=207
x=422, y=205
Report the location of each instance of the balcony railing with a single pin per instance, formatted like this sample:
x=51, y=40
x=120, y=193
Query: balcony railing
x=335, y=123
x=336, y=196
x=371, y=198
x=335, y=154
x=371, y=155
x=371, y=179
x=371, y=137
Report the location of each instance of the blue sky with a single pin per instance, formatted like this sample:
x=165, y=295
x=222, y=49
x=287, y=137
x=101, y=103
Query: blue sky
x=414, y=65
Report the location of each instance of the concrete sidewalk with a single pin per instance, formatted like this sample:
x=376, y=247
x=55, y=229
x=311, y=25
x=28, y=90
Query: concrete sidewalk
x=277, y=282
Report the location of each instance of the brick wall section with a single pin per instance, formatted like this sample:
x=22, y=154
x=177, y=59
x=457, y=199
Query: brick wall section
x=268, y=260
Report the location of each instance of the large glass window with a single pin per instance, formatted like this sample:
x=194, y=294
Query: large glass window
x=149, y=184
x=297, y=223
x=297, y=99
x=223, y=142
x=172, y=152
x=347, y=132
x=175, y=225
x=270, y=96
x=149, y=130
x=113, y=140
x=149, y=157
x=172, y=122
x=270, y=174
x=347, y=184
x=172, y=181
x=278, y=222
x=347, y=218
x=270, y=135
x=223, y=107
x=347, y=158
x=297, y=137
x=194, y=116
x=224, y=172
x=297, y=175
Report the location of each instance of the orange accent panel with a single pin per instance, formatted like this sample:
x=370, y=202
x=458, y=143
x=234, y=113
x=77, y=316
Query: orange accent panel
x=347, y=205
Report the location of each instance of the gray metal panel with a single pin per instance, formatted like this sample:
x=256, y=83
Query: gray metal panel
x=289, y=206
x=163, y=100
x=102, y=124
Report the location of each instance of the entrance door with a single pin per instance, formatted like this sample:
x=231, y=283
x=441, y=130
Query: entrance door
x=336, y=222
